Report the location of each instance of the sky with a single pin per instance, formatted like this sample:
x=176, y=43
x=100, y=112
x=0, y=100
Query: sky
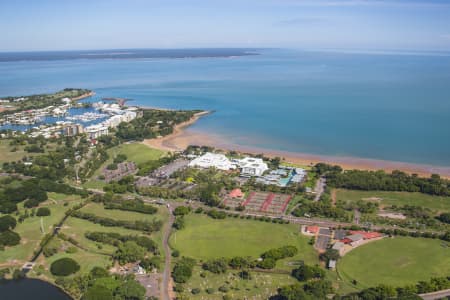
x=304, y=24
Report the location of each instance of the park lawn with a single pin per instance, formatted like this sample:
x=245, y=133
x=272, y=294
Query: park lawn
x=437, y=203
x=260, y=286
x=396, y=261
x=87, y=260
x=97, y=209
x=30, y=230
x=205, y=238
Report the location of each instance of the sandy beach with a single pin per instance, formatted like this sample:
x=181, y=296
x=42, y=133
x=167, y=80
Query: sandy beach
x=183, y=137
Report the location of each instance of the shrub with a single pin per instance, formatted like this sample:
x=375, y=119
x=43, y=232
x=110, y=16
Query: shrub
x=210, y=290
x=43, y=211
x=64, y=267
x=195, y=291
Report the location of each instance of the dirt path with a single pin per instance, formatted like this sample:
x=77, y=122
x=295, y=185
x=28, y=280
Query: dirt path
x=333, y=197
x=166, y=291
x=320, y=188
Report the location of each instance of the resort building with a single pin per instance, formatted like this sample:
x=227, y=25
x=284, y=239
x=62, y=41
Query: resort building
x=252, y=166
x=95, y=131
x=73, y=130
x=209, y=160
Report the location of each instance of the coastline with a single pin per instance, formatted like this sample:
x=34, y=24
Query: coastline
x=165, y=143
x=182, y=138
x=87, y=95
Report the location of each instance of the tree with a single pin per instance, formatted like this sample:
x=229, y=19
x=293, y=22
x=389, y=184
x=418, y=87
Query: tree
x=305, y=272
x=444, y=217
x=183, y=270
x=131, y=290
x=129, y=252
x=43, y=211
x=330, y=254
x=97, y=292
x=9, y=238
x=64, y=267
x=292, y=292
x=181, y=211
x=216, y=266
x=7, y=222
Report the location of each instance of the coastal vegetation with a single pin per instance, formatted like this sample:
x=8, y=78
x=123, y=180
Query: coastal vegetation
x=44, y=100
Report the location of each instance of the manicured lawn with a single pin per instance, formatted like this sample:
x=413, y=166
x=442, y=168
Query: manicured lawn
x=140, y=153
x=261, y=286
x=396, y=198
x=205, y=238
x=30, y=229
x=396, y=261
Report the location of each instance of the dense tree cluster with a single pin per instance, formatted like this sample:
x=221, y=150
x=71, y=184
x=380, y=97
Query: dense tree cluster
x=98, y=284
x=64, y=267
x=7, y=236
x=115, y=239
x=216, y=266
x=153, y=123
x=147, y=226
x=131, y=205
x=182, y=270
x=129, y=251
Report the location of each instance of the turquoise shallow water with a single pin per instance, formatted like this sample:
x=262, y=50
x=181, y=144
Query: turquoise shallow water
x=391, y=107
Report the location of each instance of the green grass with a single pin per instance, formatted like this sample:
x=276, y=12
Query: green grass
x=86, y=260
x=97, y=209
x=140, y=153
x=398, y=261
x=205, y=238
x=8, y=156
x=76, y=228
x=437, y=203
x=30, y=230
x=261, y=286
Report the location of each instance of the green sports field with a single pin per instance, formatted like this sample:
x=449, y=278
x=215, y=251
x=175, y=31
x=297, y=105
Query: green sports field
x=205, y=238
x=436, y=203
x=396, y=261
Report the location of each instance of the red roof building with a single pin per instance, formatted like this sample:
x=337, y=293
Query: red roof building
x=312, y=229
x=236, y=193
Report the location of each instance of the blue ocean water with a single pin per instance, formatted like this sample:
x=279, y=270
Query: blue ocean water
x=382, y=106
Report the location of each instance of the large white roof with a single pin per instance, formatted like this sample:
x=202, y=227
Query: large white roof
x=209, y=160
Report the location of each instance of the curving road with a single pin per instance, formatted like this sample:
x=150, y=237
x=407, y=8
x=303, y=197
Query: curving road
x=165, y=293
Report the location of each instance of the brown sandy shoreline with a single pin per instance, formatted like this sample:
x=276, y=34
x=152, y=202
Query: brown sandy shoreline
x=182, y=138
